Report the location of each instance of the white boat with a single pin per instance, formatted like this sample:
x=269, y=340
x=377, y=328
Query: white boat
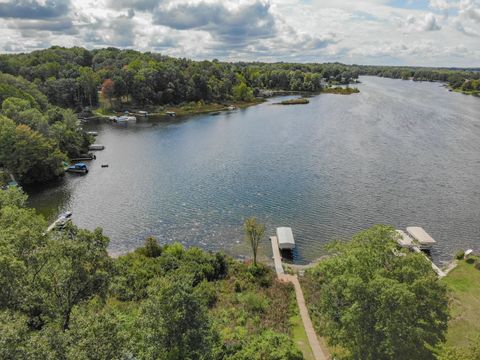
x=231, y=107
x=63, y=219
x=171, y=113
x=124, y=119
x=93, y=133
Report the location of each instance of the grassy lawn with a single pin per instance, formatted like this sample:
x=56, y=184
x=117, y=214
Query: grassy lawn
x=464, y=286
x=299, y=336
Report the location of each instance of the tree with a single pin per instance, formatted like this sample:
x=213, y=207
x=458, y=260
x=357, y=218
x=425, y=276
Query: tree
x=254, y=232
x=151, y=248
x=87, y=82
x=78, y=268
x=28, y=154
x=377, y=304
x=108, y=90
x=95, y=334
x=174, y=324
x=13, y=196
x=242, y=92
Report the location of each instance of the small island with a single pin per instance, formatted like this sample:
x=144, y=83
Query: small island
x=340, y=90
x=297, y=101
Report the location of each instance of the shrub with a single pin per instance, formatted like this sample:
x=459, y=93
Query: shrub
x=253, y=302
x=207, y=293
x=237, y=286
x=151, y=248
x=470, y=261
x=459, y=254
x=261, y=275
x=477, y=265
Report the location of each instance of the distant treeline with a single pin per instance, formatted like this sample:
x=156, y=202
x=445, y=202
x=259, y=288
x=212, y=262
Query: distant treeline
x=456, y=78
x=72, y=77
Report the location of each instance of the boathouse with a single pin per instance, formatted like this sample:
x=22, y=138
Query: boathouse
x=285, y=238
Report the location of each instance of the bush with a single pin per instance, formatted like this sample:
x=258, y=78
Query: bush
x=238, y=286
x=253, y=302
x=261, y=275
x=207, y=293
x=269, y=346
x=470, y=260
x=459, y=254
x=477, y=265
x=151, y=248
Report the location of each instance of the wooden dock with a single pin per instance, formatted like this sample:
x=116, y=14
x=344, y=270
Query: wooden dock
x=318, y=352
x=277, y=258
x=54, y=224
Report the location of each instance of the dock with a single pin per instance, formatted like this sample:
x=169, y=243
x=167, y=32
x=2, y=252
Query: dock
x=422, y=238
x=277, y=258
x=417, y=240
x=318, y=352
x=55, y=223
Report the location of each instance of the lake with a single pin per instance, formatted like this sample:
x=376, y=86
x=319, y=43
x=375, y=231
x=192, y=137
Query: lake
x=400, y=152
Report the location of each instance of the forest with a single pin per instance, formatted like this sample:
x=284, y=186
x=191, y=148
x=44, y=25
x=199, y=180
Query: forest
x=63, y=297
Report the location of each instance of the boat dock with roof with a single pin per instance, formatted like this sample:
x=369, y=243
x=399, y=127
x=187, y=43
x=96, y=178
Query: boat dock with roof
x=417, y=239
x=422, y=238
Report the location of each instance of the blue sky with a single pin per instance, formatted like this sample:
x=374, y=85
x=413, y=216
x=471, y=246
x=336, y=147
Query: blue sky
x=390, y=32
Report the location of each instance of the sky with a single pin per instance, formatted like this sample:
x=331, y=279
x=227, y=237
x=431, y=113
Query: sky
x=378, y=32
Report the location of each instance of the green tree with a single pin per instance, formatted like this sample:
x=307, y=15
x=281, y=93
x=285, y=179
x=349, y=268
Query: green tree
x=242, y=92
x=174, y=324
x=151, y=248
x=13, y=196
x=377, y=304
x=254, y=232
x=28, y=154
x=96, y=334
x=78, y=268
x=87, y=82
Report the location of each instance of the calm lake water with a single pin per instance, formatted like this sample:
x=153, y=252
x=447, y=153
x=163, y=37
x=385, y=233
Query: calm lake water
x=399, y=153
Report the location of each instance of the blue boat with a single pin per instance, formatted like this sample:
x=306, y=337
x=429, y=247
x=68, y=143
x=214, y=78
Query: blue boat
x=78, y=168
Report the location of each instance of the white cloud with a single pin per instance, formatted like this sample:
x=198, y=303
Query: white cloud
x=426, y=23
x=351, y=31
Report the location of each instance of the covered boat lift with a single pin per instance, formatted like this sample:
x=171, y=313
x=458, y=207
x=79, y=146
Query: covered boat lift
x=424, y=240
x=285, y=238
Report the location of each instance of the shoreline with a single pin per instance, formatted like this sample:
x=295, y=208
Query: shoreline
x=183, y=110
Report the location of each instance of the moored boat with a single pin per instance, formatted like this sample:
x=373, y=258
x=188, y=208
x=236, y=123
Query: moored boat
x=96, y=147
x=80, y=168
x=124, y=119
